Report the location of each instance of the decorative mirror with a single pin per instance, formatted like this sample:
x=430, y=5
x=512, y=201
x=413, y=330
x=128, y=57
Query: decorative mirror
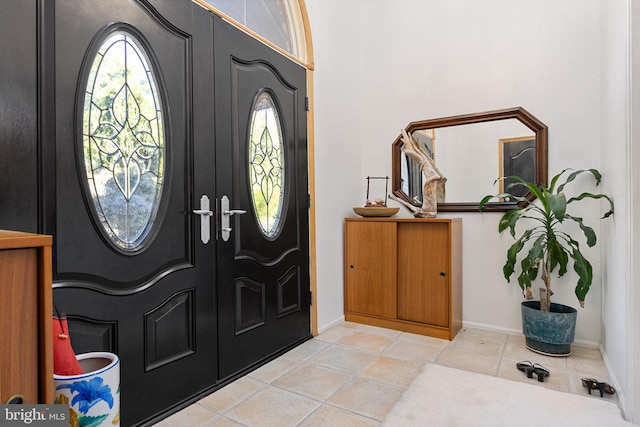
x=472, y=151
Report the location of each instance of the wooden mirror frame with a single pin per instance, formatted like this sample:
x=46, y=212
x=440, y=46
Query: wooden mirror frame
x=518, y=113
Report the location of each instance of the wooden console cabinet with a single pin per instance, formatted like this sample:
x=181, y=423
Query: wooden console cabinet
x=26, y=342
x=404, y=274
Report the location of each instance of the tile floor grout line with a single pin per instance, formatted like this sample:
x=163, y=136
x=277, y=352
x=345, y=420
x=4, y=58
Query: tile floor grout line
x=355, y=375
x=264, y=386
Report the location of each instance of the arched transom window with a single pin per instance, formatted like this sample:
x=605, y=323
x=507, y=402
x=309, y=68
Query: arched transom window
x=278, y=21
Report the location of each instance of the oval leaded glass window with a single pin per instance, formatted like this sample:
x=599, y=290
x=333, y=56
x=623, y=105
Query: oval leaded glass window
x=123, y=141
x=266, y=160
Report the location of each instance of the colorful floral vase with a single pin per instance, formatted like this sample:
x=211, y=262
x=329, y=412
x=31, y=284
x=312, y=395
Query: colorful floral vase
x=94, y=396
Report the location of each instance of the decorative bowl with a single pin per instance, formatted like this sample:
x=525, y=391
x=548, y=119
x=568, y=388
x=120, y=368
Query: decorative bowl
x=382, y=211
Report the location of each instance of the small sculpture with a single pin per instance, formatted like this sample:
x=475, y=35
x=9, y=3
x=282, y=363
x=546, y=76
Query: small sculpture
x=378, y=202
x=379, y=206
x=434, y=180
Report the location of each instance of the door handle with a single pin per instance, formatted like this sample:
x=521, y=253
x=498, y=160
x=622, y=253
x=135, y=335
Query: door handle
x=225, y=218
x=205, y=222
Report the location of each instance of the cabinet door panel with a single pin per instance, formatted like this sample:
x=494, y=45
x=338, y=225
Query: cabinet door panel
x=423, y=273
x=18, y=317
x=371, y=268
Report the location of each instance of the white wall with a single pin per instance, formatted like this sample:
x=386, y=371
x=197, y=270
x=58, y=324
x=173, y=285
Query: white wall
x=338, y=152
x=382, y=64
x=614, y=149
x=632, y=405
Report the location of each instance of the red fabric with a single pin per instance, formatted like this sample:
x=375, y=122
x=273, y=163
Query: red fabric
x=64, y=358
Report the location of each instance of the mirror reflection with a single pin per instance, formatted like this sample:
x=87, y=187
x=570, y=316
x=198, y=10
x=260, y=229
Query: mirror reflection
x=471, y=151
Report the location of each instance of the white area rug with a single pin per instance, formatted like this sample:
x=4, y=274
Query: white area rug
x=447, y=397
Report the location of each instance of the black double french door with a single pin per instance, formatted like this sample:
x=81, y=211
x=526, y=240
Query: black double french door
x=166, y=251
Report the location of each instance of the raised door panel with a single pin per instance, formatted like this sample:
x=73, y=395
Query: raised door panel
x=423, y=272
x=370, y=268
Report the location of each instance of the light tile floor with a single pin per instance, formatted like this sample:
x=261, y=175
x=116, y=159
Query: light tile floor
x=352, y=375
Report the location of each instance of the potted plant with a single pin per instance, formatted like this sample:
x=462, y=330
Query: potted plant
x=548, y=327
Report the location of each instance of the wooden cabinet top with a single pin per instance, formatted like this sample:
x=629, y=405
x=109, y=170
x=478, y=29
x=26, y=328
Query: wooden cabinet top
x=17, y=239
x=386, y=219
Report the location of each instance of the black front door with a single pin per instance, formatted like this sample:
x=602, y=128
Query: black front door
x=263, y=252
x=134, y=269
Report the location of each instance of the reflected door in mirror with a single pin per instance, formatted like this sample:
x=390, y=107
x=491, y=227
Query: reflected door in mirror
x=517, y=157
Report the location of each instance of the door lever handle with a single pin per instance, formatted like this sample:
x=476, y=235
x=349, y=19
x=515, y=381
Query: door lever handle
x=205, y=223
x=234, y=212
x=202, y=212
x=225, y=218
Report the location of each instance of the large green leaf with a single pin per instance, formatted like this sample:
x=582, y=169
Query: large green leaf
x=484, y=201
x=557, y=205
x=585, y=275
x=509, y=220
x=555, y=179
x=589, y=234
x=596, y=175
x=528, y=273
x=512, y=252
x=558, y=256
x=537, y=249
x=529, y=264
x=573, y=176
x=595, y=196
x=519, y=182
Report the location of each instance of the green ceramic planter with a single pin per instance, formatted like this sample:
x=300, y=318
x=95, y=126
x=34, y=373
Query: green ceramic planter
x=549, y=333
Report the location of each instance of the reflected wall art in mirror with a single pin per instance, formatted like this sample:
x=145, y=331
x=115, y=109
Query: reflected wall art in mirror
x=472, y=151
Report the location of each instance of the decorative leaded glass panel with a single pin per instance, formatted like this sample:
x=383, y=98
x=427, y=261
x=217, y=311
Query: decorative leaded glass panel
x=266, y=160
x=123, y=141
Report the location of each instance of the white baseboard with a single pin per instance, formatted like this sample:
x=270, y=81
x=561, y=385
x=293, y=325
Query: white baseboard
x=487, y=327
x=336, y=322
x=511, y=331
x=622, y=399
x=475, y=325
